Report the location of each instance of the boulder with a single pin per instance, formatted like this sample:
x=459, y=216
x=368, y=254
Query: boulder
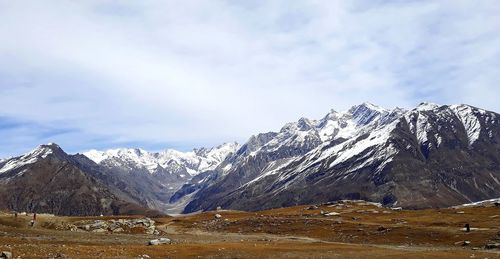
x=159, y=241
x=99, y=224
x=218, y=216
x=150, y=230
x=6, y=255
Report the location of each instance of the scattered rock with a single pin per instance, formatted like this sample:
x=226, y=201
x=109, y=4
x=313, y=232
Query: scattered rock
x=6, y=255
x=397, y=208
x=150, y=230
x=492, y=246
x=159, y=241
x=462, y=243
x=313, y=207
x=142, y=225
x=332, y=214
x=117, y=230
x=382, y=229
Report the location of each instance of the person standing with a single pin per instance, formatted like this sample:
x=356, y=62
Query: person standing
x=33, y=220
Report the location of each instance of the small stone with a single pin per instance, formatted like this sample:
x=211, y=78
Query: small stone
x=117, y=230
x=159, y=241
x=462, y=243
x=6, y=255
x=492, y=246
x=382, y=229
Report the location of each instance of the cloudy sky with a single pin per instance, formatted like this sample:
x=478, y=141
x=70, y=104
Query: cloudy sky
x=183, y=74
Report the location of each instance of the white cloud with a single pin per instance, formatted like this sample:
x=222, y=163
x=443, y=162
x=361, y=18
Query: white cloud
x=211, y=71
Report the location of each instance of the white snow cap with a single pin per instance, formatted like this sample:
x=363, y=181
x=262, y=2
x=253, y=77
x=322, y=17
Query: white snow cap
x=195, y=161
x=426, y=106
x=39, y=152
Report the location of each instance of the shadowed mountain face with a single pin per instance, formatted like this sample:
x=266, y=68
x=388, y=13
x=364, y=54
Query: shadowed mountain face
x=431, y=156
x=50, y=181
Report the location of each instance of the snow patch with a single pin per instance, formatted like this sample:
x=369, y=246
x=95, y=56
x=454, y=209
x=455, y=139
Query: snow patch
x=40, y=152
x=469, y=120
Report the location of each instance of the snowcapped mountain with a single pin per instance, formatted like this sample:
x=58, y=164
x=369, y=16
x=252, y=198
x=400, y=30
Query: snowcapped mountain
x=13, y=164
x=429, y=156
x=171, y=161
x=49, y=180
x=152, y=177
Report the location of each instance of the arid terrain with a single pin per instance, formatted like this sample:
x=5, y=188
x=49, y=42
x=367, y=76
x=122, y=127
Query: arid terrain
x=335, y=230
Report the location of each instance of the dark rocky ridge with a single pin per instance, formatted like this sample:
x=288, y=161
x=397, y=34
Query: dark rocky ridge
x=55, y=183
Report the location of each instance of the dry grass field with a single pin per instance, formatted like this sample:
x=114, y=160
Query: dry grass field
x=351, y=230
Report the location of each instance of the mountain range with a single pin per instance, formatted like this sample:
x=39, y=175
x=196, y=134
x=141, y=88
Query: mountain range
x=429, y=156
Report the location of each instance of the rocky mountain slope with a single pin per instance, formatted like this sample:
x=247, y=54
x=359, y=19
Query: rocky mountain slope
x=49, y=180
x=429, y=156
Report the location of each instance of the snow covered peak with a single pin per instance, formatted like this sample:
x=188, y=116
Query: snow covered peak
x=194, y=162
x=366, y=107
x=96, y=155
x=365, y=113
x=36, y=154
x=426, y=106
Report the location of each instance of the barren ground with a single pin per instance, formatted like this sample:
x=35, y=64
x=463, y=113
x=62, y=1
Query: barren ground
x=359, y=231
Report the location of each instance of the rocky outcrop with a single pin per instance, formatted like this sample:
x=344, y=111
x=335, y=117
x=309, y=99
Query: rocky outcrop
x=135, y=226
